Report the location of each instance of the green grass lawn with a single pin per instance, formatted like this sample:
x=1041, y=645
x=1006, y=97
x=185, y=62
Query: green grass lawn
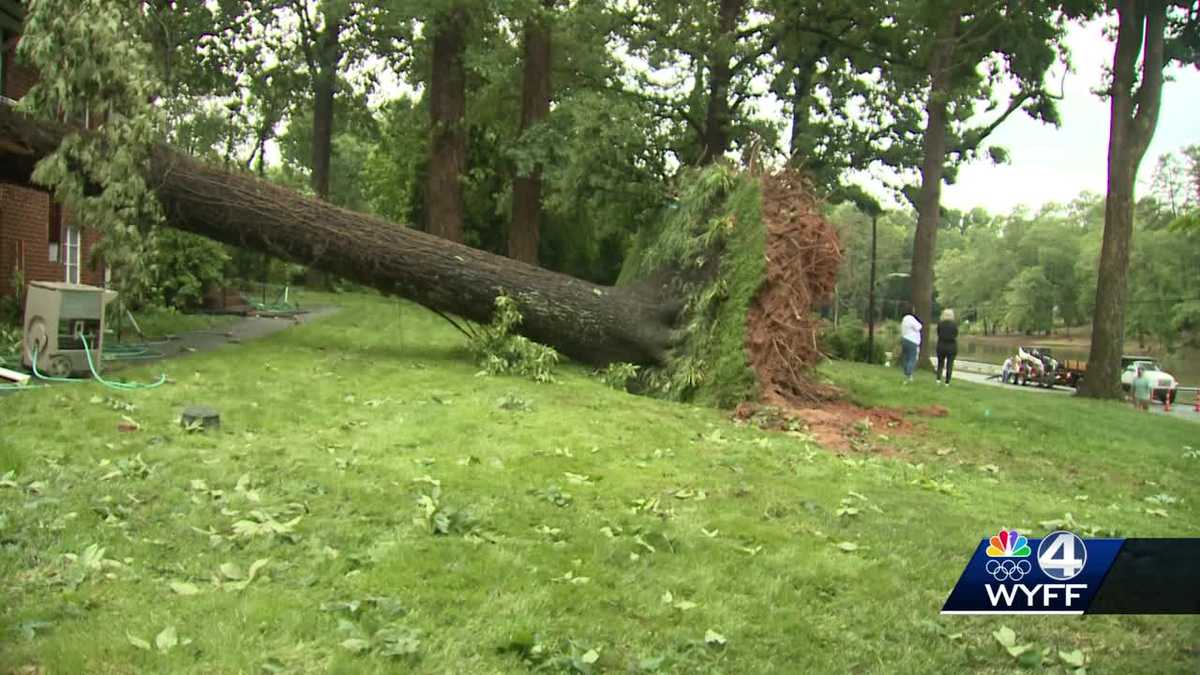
x=371, y=504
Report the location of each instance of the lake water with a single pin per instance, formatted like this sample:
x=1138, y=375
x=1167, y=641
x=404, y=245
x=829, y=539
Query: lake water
x=1184, y=364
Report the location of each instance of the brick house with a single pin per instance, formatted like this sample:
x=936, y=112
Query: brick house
x=36, y=241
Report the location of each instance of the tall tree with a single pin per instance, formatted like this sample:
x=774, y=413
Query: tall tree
x=828, y=57
x=719, y=114
x=966, y=51
x=447, y=117
x=525, y=228
x=323, y=52
x=710, y=52
x=331, y=37
x=933, y=165
x=1143, y=41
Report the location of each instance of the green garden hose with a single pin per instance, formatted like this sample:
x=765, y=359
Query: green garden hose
x=50, y=378
x=119, y=386
x=131, y=352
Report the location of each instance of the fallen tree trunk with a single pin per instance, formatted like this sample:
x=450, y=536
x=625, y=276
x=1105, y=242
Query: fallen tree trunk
x=717, y=296
x=590, y=323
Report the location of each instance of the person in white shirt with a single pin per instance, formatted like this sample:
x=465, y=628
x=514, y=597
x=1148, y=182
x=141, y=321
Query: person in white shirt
x=910, y=343
x=1006, y=370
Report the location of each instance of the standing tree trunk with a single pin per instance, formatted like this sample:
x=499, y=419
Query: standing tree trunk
x=447, y=113
x=933, y=167
x=800, y=146
x=719, y=116
x=1131, y=126
x=525, y=229
x=324, y=88
x=323, y=55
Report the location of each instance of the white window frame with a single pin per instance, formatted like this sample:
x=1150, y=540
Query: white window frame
x=72, y=243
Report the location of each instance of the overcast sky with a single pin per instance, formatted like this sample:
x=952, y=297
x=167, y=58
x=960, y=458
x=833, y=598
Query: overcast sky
x=1055, y=164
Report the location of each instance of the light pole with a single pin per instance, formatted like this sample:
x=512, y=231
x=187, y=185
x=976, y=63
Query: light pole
x=871, y=296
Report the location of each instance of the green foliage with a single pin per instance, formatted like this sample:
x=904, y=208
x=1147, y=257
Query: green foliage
x=690, y=228
x=1030, y=301
x=391, y=172
x=92, y=71
x=713, y=241
x=618, y=375
x=10, y=344
x=11, y=310
x=499, y=351
x=435, y=517
x=849, y=342
x=185, y=267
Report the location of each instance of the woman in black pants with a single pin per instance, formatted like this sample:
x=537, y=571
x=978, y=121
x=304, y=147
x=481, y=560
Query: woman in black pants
x=947, y=344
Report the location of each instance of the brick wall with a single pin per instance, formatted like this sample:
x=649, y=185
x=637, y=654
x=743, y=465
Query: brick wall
x=18, y=77
x=25, y=241
x=25, y=215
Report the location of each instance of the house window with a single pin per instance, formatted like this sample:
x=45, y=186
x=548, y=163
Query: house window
x=54, y=232
x=71, y=254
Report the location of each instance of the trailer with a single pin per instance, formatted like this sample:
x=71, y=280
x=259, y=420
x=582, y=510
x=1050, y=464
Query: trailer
x=1033, y=365
x=1065, y=372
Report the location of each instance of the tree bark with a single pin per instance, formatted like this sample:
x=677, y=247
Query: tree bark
x=590, y=323
x=933, y=168
x=525, y=229
x=719, y=115
x=447, y=112
x=1131, y=126
x=799, y=147
x=324, y=88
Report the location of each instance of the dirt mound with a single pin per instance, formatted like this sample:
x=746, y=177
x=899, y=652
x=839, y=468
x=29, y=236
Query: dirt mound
x=840, y=426
x=803, y=255
x=931, y=411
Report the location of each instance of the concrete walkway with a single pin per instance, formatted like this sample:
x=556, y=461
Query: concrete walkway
x=245, y=329
x=194, y=342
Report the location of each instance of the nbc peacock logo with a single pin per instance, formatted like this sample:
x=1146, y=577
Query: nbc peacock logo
x=1008, y=544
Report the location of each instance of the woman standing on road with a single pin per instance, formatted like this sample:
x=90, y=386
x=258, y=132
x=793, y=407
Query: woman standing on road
x=947, y=345
x=910, y=342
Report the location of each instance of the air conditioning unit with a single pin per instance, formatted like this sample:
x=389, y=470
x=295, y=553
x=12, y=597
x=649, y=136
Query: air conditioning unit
x=58, y=317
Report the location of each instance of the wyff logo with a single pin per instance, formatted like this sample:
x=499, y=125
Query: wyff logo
x=1062, y=556
x=1004, y=575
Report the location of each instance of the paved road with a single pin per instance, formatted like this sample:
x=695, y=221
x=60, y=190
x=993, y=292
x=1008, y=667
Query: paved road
x=980, y=372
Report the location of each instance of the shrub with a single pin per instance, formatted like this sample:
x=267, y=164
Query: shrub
x=499, y=351
x=618, y=375
x=11, y=307
x=186, y=266
x=849, y=342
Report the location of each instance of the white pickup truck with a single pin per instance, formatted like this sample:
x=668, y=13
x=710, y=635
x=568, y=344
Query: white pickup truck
x=1163, y=385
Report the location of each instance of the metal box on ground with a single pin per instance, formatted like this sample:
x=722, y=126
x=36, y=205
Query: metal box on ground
x=57, y=318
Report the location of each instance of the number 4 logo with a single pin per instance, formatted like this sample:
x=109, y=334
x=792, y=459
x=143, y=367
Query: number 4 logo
x=1061, y=555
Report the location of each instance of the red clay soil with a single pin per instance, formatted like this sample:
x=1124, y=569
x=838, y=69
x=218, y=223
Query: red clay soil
x=839, y=426
x=803, y=255
x=930, y=411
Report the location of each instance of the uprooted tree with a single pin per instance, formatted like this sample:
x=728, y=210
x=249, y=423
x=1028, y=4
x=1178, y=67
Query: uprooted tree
x=718, y=298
